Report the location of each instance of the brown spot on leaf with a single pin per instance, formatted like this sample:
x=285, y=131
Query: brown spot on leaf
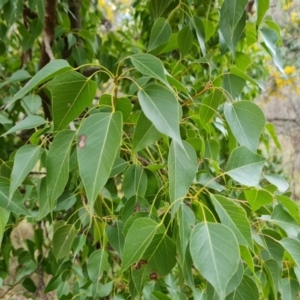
x=82, y=141
x=153, y=276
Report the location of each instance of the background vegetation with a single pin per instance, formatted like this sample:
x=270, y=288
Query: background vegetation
x=132, y=150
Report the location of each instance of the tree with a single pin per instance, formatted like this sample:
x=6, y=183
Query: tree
x=137, y=154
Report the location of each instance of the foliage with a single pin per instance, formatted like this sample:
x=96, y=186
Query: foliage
x=146, y=179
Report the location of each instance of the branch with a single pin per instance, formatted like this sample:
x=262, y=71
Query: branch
x=46, y=52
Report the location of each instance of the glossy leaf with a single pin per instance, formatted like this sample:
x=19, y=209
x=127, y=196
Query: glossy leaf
x=213, y=248
x=233, y=85
x=52, y=69
x=290, y=289
x=71, y=93
x=185, y=40
x=232, y=22
x=97, y=264
x=274, y=274
x=278, y=181
x=182, y=165
x=62, y=240
x=234, y=216
x=99, y=139
x=138, y=238
x=209, y=106
x=200, y=32
x=158, y=7
x=261, y=8
x=258, y=198
x=28, y=123
x=244, y=166
x=186, y=221
x=12, y=203
x=115, y=236
x=292, y=246
x=4, y=215
x=135, y=182
x=44, y=203
x=247, y=290
x=246, y=121
x=25, y=159
x=58, y=164
x=271, y=38
x=149, y=65
x=160, y=34
x=145, y=133
x=162, y=109
x=291, y=207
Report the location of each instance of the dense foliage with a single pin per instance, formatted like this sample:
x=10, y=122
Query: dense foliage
x=135, y=153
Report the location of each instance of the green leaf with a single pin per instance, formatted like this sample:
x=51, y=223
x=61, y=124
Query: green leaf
x=213, y=248
x=71, y=93
x=53, y=283
x=28, y=123
x=160, y=34
x=274, y=274
x=186, y=221
x=239, y=73
x=25, y=159
x=52, y=69
x=234, y=216
x=182, y=165
x=209, y=106
x=236, y=279
x=58, y=165
x=137, y=240
x=232, y=21
x=135, y=182
x=44, y=203
x=261, y=8
x=12, y=203
x=272, y=131
x=4, y=215
x=200, y=32
x=31, y=104
x=271, y=238
x=145, y=134
x=292, y=246
x=247, y=290
x=258, y=198
x=291, y=207
x=160, y=255
x=162, y=109
x=271, y=38
x=115, y=236
x=281, y=184
x=246, y=121
x=97, y=264
x=283, y=219
x=185, y=40
x=124, y=106
x=245, y=166
x=63, y=238
x=208, y=181
x=158, y=7
x=290, y=289
x=233, y=85
x=149, y=65
x=99, y=139
x=119, y=166
x=211, y=149
x=158, y=260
